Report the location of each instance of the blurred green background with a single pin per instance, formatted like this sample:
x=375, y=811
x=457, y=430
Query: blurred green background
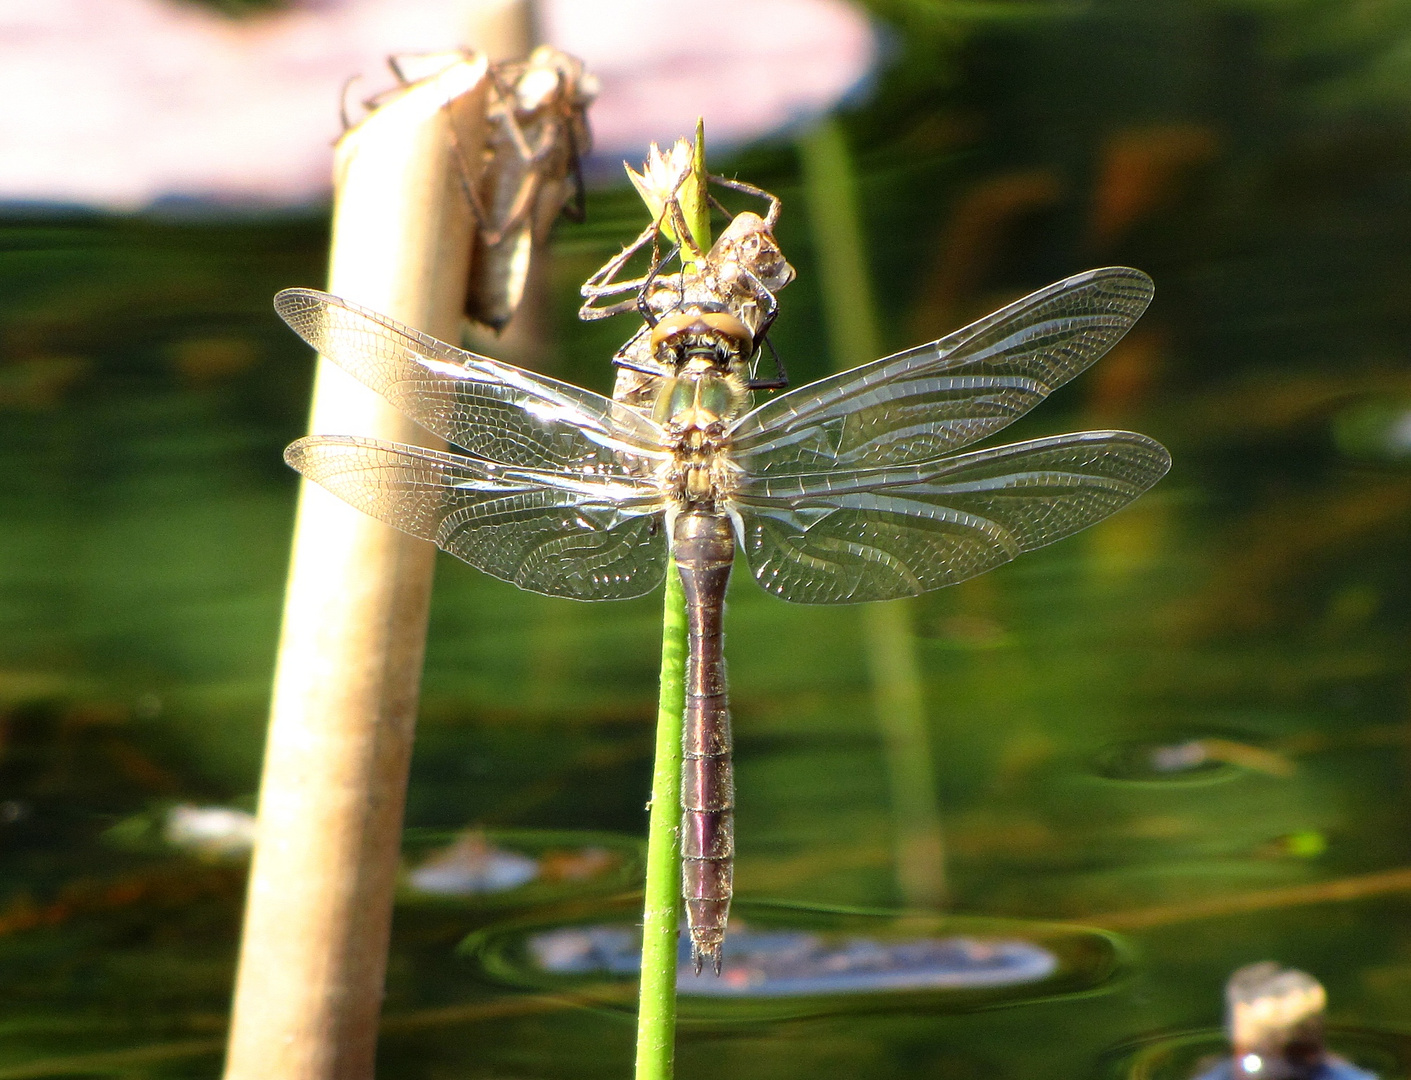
x=1253, y=156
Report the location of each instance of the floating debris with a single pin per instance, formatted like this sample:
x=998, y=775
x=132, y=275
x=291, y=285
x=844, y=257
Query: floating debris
x=578, y=864
x=1205, y=757
x=210, y=831
x=1274, y=1031
x=516, y=866
x=472, y=866
x=219, y=833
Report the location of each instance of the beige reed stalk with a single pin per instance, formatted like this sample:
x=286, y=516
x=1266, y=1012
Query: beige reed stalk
x=314, y=954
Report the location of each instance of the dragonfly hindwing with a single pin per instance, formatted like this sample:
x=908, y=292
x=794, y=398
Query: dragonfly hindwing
x=875, y=534
x=552, y=533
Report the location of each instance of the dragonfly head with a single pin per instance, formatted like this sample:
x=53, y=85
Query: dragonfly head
x=703, y=332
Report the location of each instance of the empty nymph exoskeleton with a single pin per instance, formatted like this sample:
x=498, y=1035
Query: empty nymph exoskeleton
x=737, y=278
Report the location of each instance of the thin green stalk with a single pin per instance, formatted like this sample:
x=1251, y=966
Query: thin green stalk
x=890, y=639
x=851, y=318
x=656, y=1011
x=698, y=217
x=850, y=312
x=661, y=916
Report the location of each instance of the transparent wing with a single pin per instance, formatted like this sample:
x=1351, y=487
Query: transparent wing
x=927, y=401
x=879, y=533
x=494, y=410
x=587, y=538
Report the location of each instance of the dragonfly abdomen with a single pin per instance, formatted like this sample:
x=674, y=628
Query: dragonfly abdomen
x=705, y=547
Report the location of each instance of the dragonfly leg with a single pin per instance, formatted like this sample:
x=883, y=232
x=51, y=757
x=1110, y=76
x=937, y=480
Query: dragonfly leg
x=603, y=283
x=771, y=216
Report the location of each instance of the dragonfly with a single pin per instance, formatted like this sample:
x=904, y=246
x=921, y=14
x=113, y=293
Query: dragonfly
x=845, y=490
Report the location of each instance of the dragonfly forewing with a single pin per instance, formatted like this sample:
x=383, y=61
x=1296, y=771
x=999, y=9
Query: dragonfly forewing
x=936, y=398
x=876, y=534
x=561, y=534
x=494, y=410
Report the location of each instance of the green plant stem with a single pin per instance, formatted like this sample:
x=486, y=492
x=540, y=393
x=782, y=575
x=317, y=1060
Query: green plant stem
x=698, y=221
x=830, y=188
x=656, y=1013
x=850, y=312
x=661, y=915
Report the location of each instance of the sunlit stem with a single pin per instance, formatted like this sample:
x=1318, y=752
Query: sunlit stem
x=656, y=1014
x=313, y=954
x=697, y=210
x=851, y=319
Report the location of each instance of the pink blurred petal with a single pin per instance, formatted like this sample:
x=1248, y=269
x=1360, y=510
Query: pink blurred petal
x=122, y=102
x=748, y=66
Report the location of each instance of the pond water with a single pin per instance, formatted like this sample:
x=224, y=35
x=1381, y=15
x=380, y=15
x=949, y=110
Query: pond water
x=1166, y=748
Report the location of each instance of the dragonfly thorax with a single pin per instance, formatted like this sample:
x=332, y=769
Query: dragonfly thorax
x=701, y=398
x=696, y=408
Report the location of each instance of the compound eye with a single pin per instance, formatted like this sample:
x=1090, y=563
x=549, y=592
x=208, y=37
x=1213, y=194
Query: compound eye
x=722, y=322
x=672, y=325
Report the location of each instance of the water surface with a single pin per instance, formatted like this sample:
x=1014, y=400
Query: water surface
x=1186, y=727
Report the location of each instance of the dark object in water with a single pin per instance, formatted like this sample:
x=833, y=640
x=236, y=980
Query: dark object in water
x=1274, y=1017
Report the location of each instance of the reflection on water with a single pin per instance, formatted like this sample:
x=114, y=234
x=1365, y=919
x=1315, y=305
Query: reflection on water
x=784, y=964
x=508, y=867
x=807, y=961
x=1360, y=1054
x=471, y=866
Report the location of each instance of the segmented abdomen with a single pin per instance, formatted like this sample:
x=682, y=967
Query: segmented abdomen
x=704, y=548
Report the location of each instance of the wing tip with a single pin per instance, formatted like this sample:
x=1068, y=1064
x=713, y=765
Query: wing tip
x=1138, y=282
x=299, y=453
x=1161, y=456
x=296, y=299
x=294, y=453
